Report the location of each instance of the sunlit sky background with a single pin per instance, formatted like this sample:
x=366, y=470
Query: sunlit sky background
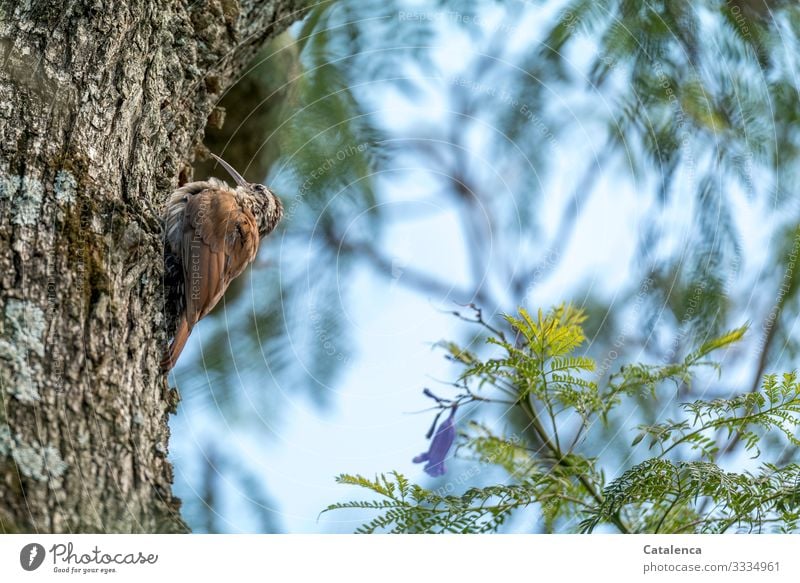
x=370, y=425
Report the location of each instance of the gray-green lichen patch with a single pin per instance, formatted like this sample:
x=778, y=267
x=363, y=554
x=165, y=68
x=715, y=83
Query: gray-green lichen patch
x=24, y=331
x=5, y=440
x=34, y=461
x=9, y=185
x=15, y=374
x=27, y=324
x=27, y=201
x=66, y=187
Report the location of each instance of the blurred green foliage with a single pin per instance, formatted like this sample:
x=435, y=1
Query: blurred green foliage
x=553, y=468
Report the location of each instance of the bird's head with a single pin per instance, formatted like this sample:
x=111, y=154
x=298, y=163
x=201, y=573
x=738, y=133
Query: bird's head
x=267, y=206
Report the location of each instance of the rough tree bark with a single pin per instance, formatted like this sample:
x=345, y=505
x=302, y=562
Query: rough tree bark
x=102, y=108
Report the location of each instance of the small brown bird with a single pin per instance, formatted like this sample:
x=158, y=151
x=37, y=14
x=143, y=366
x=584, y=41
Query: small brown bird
x=211, y=234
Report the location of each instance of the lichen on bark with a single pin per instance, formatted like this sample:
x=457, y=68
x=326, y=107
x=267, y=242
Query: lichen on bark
x=102, y=106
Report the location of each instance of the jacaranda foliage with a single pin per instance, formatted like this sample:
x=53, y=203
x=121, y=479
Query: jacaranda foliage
x=672, y=479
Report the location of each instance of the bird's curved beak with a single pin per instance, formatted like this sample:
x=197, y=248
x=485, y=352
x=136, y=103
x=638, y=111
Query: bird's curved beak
x=236, y=176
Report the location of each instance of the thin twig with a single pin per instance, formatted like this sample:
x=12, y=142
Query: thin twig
x=560, y=459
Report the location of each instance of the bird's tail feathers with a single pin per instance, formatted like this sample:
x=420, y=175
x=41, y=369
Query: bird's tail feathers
x=172, y=353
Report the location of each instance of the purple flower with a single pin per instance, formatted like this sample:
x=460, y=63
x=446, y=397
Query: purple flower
x=440, y=445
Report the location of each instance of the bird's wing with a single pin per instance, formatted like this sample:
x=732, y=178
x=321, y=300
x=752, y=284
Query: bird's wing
x=219, y=240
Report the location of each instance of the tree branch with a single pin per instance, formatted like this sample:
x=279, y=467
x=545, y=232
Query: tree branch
x=412, y=278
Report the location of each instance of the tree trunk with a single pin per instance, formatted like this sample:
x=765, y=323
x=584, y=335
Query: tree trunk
x=102, y=108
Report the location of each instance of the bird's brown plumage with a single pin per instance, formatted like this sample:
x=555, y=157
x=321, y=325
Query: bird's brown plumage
x=213, y=253
x=212, y=234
